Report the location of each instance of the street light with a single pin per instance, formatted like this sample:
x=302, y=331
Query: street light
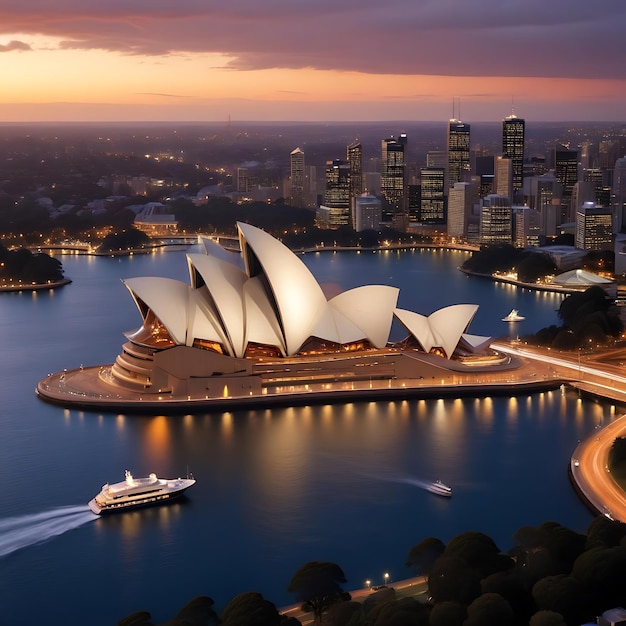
x=368, y=584
x=386, y=576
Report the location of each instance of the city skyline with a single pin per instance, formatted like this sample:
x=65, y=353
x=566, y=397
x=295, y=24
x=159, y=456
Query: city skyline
x=81, y=61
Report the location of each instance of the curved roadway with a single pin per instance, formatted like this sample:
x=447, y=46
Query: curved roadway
x=588, y=467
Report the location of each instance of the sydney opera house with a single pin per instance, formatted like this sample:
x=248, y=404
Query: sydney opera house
x=256, y=323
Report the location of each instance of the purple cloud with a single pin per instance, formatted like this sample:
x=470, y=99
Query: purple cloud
x=559, y=38
x=14, y=45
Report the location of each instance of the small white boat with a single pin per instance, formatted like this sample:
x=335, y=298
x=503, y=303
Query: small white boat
x=440, y=489
x=513, y=316
x=135, y=492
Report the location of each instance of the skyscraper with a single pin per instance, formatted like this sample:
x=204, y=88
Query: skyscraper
x=594, y=227
x=337, y=192
x=566, y=172
x=503, y=177
x=367, y=212
x=513, y=136
x=355, y=159
x=459, y=209
x=392, y=174
x=458, y=152
x=297, y=177
x=432, y=197
x=496, y=220
x=618, y=195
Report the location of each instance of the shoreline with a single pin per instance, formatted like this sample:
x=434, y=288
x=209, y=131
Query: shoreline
x=35, y=286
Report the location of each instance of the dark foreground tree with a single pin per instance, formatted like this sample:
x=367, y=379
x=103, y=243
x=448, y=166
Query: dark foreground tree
x=317, y=585
x=547, y=618
x=424, y=554
x=448, y=613
x=490, y=609
x=250, y=609
x=402, y=612
x=139, y=618
x=198, y=612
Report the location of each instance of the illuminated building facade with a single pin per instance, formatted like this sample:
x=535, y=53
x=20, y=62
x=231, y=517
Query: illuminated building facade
x=354, y=154
x=458, y=144
x=337, y=192
x=513, y=140
x=392, y=174
x=496, y=220
x=594, y=227
x=297, y=177
x=459, y=209
x=432, y=196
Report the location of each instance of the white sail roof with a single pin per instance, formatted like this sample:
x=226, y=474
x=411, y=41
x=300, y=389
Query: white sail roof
x=297, y=296
x=168, y=299
x=272, y=299
x=442, y=329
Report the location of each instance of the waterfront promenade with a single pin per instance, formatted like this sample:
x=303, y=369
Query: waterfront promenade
x=408, y=587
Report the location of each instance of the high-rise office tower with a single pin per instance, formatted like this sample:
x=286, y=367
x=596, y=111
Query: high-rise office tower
x=297, y=177
x=432, y=196
x=618, y=195
x=496, y=220
x=594, y=227
x=337, y=192
x=503, y=177
x=355, y=159
x=566, y=172
x=392, y=174
x=526, y=227
x=367, y=212
x=458, y=143
x=459, y=209
x=513, y=136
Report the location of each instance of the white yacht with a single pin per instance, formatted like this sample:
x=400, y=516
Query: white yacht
x=439, y=488
x=513, y=316
x=135, y=492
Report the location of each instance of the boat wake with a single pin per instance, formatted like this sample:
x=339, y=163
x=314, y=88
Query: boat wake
x=27, y=530
x=423, y=484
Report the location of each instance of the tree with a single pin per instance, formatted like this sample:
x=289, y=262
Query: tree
x=479, y=551
x=562, y=594
x=547, y=618
x=601, y=572
x=448, y=613
x=511, y=586
x=318, y=585
x=139, y=618
x=451, y=578
x=402, y=612
x=198, y=612
x=533, y=265
x=605, y=533
x=424, y=554
x=250, y=609
x=345, y=614
x=490, y=609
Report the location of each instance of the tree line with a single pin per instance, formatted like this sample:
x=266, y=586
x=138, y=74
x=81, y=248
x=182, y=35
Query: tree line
x=552, y=576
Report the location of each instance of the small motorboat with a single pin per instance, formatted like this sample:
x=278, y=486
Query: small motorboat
x=439, y=488
x=513, y=316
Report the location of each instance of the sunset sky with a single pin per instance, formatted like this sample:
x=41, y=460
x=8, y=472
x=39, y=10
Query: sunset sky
x=312, y=60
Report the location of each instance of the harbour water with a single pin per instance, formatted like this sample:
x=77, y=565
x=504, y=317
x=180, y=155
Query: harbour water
x=275, y=488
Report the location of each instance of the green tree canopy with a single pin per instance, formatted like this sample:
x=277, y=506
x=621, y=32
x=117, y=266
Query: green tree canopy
x=250, y=609
x=424, y=554
x=318, y=585
x=490, y=609
x=547, y=618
